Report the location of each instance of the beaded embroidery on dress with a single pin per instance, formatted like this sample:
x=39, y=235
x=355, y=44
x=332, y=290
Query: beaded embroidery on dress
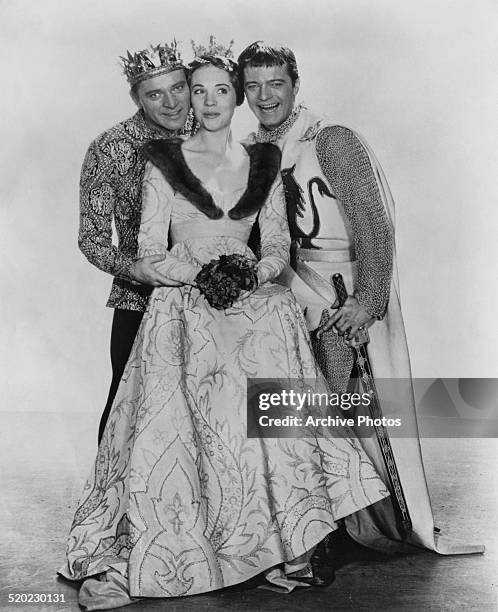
x=180, y=500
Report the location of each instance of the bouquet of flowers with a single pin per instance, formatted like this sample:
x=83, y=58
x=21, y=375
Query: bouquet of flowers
x=222, y=280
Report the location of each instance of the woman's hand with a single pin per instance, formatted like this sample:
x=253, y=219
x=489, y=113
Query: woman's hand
x=244, y=295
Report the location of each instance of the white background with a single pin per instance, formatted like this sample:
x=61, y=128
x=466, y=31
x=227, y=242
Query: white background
x=417, y=78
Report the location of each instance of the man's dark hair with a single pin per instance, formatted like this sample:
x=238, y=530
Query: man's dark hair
x=229, y=66
x=260, y=54
x=134, y=92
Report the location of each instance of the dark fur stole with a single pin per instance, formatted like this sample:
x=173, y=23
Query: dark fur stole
x=264, y=164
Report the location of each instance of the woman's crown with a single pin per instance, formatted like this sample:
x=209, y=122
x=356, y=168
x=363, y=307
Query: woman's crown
x=151, y=62
x=213, y=48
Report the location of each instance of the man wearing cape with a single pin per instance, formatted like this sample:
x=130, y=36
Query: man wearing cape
x=341, y=217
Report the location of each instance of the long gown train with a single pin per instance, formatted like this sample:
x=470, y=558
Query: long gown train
x=180, y=501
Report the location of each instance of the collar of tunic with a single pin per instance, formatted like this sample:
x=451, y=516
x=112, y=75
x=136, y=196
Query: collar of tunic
x=265, y=135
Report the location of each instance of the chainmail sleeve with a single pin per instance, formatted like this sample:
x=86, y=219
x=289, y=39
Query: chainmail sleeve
x=347, y=167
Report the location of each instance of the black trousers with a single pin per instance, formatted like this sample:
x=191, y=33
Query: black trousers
x=125, y=324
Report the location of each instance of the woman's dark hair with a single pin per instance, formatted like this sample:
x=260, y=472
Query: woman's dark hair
x=260, y=54
x=228, y=65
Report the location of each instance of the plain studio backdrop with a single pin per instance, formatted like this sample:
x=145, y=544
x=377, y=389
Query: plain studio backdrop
x=416, y=77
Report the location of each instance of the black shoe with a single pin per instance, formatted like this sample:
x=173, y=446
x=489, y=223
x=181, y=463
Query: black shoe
x=323, y=571
x=322, y=577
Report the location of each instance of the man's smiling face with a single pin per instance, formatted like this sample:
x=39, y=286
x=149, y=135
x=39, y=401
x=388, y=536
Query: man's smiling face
x=270, y=93
x=165, y=99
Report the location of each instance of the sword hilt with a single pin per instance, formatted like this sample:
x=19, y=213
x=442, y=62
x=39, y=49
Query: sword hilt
x=361, y=337
x=359, y=348
x=340, y=288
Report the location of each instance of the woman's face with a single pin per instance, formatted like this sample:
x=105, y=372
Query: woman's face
x=213, y=97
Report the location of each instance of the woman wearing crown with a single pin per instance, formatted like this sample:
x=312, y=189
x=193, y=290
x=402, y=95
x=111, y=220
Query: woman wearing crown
x=180, y=500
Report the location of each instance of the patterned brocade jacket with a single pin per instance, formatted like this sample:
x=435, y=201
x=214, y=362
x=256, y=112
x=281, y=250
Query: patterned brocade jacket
x=111, y=190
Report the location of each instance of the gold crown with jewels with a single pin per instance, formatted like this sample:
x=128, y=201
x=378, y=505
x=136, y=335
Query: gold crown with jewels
x=151, y=62
x=215, y=49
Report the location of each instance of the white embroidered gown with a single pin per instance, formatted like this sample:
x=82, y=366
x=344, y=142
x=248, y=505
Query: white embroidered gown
x=180, y=501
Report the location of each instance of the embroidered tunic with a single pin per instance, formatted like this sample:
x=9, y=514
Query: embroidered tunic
x=111, y=190
x=338, y=222
x=349, y=216
x=344, y=207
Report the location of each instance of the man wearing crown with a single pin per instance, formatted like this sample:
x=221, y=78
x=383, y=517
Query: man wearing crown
x=341, y=214
x=111, y=187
